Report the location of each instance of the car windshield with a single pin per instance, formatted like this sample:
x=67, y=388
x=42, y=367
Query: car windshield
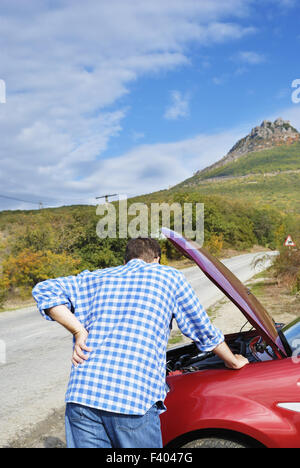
x=290, y=335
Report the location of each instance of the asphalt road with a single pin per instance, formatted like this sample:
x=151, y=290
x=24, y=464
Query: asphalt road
x=35, y=356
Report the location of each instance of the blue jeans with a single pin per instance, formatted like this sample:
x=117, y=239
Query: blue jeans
x=93, y=428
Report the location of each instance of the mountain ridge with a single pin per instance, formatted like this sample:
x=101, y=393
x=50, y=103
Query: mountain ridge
x=266, y=136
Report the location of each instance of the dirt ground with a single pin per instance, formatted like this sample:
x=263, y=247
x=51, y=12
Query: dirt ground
x=281, y=305
x=277, y=300
x=49, y=433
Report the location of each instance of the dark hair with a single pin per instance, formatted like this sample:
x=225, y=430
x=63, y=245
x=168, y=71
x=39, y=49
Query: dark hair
x=142, y=247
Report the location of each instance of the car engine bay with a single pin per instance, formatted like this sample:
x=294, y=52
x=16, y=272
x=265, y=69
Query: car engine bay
x=188, y=358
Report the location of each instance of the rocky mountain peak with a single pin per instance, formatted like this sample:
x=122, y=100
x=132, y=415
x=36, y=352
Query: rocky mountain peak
x=265, y=136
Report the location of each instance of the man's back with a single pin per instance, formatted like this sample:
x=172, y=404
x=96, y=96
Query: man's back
x=127, y=312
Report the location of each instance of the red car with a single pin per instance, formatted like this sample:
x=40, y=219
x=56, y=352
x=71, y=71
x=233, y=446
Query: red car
x=209, y=405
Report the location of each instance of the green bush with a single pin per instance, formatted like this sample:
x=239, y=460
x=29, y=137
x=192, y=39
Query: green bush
x=287, y=266
x=27, y=268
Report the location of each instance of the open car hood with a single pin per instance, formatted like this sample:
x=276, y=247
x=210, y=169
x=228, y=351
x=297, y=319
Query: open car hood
x=230, y=285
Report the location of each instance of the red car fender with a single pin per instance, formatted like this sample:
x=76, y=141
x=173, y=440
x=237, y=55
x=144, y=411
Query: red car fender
x=224, y=413
x=241, y=401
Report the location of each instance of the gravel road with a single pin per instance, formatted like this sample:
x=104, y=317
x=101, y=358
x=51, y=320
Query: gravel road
x=35, y=360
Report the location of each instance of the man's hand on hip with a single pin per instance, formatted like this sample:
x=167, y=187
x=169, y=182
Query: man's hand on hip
x=78, y=354
x=65, y=317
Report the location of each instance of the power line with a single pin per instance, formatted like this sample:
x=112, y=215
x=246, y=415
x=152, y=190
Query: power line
x=21, y=200
x=106, y=196
x=41, y=204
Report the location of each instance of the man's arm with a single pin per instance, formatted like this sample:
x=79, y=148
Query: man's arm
x=62, y=315
x=194, y=322
x=58, y=291
x=232, y=361
x=56, y=300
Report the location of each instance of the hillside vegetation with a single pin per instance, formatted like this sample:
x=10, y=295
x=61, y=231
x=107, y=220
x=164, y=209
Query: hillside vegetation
x=48, y=243
x=269, y=178
x=278, y=159
x=251, y=201
x=287, y=266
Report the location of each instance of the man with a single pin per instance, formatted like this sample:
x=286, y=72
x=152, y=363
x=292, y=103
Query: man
x=120, y=319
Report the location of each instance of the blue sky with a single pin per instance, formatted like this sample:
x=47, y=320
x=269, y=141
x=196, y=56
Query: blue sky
x=129, y=97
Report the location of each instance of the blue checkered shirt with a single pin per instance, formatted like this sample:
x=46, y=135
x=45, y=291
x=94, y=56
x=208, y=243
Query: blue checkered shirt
x=127, y=311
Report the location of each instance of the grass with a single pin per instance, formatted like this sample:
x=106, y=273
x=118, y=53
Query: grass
x=215, y=308
x=176, y=338
x=282, y=158
x=279, y=191
x=17, y=304
x=282, y=305
x=270, y=177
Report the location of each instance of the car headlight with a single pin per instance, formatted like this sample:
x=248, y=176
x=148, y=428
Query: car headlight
x=290, y=406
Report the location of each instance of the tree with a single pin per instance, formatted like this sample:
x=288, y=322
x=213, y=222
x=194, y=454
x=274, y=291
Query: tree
x=21, y=272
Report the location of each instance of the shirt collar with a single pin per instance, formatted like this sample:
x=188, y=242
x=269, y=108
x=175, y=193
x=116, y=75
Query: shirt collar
x=133, y=261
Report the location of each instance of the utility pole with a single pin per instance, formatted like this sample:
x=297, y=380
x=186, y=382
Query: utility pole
x=106, y=196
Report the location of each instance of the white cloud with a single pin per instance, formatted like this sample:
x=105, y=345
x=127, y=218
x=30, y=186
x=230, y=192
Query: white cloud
x=219, y=80
x=66, y=63
x=153, y=167
x=250, y=57
x=286, y=3
x=147, y=168
x=179, y=107
x=136, y=136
